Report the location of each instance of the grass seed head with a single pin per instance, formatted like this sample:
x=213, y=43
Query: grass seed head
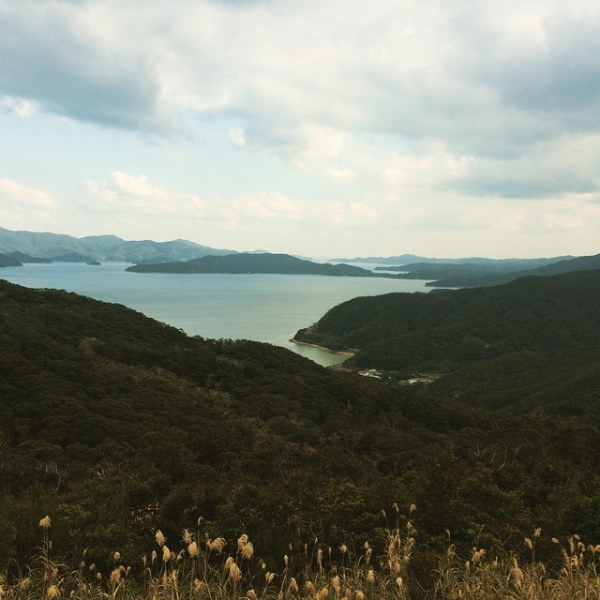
x=166, y=554
x=115, y=578
x=235, y=574
x=45, y=522
x=25, y=584
x=217, y=545
x=517, y=573
x=160, y=538
x=248, y=551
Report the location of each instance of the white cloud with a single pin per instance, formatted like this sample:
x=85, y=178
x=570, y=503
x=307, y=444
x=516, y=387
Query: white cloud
x=340, y=175
x=123, y=194
x=15, y=195
x=237, y=137
x=21, y=107
x=136, y=185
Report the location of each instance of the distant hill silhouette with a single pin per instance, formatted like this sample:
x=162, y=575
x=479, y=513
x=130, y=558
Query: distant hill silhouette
x=487, y=274
x=9, y=261
x=26, y=258
x=100, y=247
x=254, y=263
x=415, y=261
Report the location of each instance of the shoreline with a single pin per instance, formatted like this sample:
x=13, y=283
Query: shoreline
x=347, y=354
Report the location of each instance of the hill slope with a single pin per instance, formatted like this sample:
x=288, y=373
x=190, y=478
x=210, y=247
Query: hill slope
x=439, y=331
x=116, y=425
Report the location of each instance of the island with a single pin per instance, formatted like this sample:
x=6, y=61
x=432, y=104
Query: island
x=281, y=264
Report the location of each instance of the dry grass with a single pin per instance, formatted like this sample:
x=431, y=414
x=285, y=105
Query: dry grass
x=205, y=569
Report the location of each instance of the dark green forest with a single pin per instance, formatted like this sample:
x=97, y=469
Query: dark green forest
x=116, y=425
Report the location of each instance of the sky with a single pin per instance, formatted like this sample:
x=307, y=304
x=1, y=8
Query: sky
x=322, y=128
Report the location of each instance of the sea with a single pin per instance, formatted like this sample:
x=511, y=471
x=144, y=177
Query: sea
x=262, y=307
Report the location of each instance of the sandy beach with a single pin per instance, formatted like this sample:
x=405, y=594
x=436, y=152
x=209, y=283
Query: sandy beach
x=346, y=353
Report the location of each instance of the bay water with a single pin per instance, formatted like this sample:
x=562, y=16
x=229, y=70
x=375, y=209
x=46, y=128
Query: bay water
x=261, y=307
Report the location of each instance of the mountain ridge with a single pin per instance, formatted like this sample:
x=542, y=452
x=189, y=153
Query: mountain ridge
x=101, y=247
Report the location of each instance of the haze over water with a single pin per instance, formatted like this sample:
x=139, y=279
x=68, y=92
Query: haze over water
x=261, y=307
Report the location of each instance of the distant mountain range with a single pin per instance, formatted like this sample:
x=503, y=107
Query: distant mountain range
x=65, y=248
x=412, y=259
x=183, y=256
x=484, y=274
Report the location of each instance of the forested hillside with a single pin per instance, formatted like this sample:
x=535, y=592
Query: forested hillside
x=117, y=425
x=533, y=344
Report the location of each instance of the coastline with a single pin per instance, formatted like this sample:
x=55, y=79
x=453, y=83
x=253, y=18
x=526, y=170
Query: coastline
x=347, y=354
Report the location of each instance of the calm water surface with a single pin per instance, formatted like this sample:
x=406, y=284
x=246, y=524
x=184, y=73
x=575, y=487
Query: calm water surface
x=265, y=308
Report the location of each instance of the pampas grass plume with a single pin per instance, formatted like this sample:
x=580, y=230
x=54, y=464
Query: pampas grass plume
x=248, y=551
x=217, y=544
x=187, y=536
x=166, y=554
x=160, y=538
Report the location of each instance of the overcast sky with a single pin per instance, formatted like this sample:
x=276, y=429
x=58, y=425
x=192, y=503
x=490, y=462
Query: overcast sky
x=446, y=128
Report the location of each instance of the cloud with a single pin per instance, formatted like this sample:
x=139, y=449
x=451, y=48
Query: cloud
x=125, y=194
x=77, y=60
x=136, y=186
x=340, y=175
x=14, y=195
x=23, y=108
x=489, y=99
x=566, y=165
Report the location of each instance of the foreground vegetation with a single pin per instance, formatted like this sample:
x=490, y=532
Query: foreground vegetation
x=196, y=567
x=118, y=426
